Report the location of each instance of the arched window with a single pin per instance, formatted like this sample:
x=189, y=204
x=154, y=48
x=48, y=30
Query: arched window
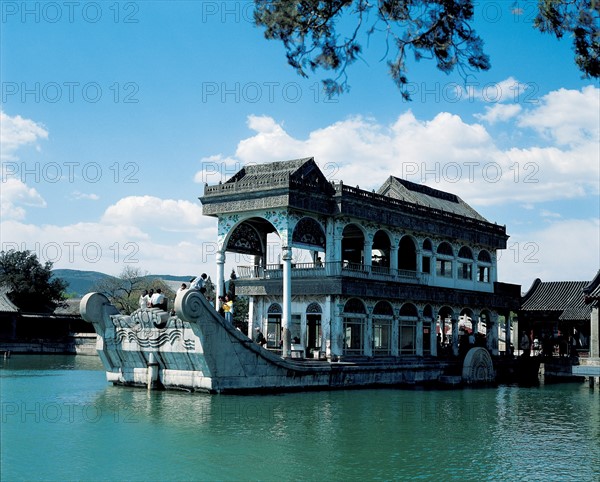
x=465, y=268
x=426, y=259
x=313, y=327
x=445, y=249
x=407, y=329
x=484, y=263
x=355, y=316
x=383, y=315
x=484, y=256
x=443, y=265
x=308, y=232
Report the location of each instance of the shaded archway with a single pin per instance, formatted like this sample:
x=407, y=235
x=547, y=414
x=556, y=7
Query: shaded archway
x=313, y=328
x=380, y=252
x=309, y=243
x=407, y=254
x=353, y=243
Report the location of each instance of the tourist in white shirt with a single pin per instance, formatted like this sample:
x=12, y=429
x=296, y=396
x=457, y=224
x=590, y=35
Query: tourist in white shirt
x=158, y=299
x=144, y=300
x=198, y=283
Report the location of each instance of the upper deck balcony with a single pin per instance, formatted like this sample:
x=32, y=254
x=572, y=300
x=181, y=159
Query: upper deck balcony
x=333, y=269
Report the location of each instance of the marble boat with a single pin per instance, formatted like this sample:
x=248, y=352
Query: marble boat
x=374, y=288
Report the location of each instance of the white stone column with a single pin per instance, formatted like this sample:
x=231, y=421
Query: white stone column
x=286, y=319
x=326, y=325
x=337, y=329
x=367, y=251
x=368, y=341
x=594, y=334
x=475, y=322
x=419, y=340
x=493, y=269
x=251, y=317
x=507, y=336
x=395, y=335
x=454, y=337
x=220, y=291
x=394, y=257
x=492, y=334
x=433, y=337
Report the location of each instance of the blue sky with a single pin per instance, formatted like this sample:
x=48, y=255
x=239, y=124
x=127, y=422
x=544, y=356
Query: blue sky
x=114, y=114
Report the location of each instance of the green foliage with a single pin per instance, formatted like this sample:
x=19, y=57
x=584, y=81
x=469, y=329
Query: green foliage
x=580, y=18
x=240, y=313
x=30, y=284
x=440, y=30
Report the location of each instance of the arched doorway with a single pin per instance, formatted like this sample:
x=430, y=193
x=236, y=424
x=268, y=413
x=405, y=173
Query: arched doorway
x=313, y=328
x=407, y=329
x=274, y=314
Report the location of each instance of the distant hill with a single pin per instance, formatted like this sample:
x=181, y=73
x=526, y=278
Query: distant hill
x=82, y=282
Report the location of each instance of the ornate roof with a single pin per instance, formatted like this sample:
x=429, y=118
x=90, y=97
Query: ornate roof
x=592, y=291
x=564, y=297
x=299, y=184
x=301, y=173
x=426, y=196
x=6, y=306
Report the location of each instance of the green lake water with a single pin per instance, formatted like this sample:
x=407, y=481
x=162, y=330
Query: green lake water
x=61, y=420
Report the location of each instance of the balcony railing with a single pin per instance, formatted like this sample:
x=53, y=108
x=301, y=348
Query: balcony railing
x=339, y=268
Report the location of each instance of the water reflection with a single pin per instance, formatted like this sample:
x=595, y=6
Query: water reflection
x=550, y=432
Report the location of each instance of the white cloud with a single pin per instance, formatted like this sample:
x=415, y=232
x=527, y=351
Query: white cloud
x=564, y=250
x=449, y=153
x=567, y=117
x=507, y=90
x=121, y=238
x=499, y=113
x=80, y=195
x=217, y=168
x=16, y=132
x=168, y=214
x=15, y=195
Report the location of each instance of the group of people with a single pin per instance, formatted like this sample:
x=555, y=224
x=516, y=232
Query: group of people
x=153, y=299
x=157, y=299
x=548, y=344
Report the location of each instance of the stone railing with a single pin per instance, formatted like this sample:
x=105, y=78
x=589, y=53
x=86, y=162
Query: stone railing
x=337, y=268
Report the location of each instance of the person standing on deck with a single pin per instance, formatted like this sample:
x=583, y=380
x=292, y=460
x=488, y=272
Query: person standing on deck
x=228, y=308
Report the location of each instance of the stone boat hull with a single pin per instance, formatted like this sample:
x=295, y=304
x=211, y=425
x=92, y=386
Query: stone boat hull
x=197, y=350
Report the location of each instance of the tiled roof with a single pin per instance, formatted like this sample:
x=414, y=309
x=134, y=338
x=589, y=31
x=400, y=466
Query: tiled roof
x=6, y=306
x=268, y=171
x=426, y=196
x=562, y=296
x=70, y=307
x=592, y=291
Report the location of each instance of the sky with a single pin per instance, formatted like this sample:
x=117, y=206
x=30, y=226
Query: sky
x=115, y=114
